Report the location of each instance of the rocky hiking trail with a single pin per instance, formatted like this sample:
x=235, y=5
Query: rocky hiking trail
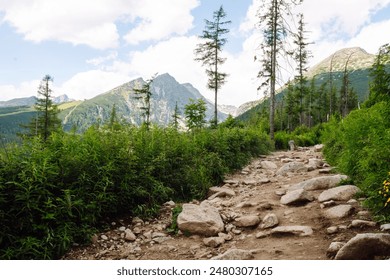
x=288, y=205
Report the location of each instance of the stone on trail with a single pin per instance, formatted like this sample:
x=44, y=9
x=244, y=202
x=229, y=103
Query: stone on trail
x=343, y=193
x=266, y=164
x=365, y=246
x=129, y=235
x=318, y=148
x=320, y=183
x=220, y=192
x=385, y=227
x=334, y=247
x=296, y=230
x=213, y=242
x=291, y=167
x=235, y=254
x=247, y=221
x=296, y=197
x=339, y=211
x=202, y=219
x=269, y=221
x=362, y=224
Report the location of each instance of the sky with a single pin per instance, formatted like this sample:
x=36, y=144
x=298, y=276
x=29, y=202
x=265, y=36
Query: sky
x=92, y=46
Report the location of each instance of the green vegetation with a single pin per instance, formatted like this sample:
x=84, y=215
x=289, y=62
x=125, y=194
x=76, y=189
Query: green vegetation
x=359, y=145
x=56, y=193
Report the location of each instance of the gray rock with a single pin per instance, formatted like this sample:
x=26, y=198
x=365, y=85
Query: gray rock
x=334, y=247
x=263, y=234
x=362, y=224
x=129, y=235
x=291, y=144
x=318, y=148
x=339, y=211
x=365, y=247
x=328, y=204
x=247, y=221
x=296, y=230
x=270, y=221
x=343, y=193
x=296, y=197
x=315, y=163
x=170, y=204
x=268, y=165
x=104, y=237
x=201, y=219
x=332, y=230
x=385, y=227
x=325, y=170
x=220, y=192
x=320, y=183
x=235, y=254
x=213, y=242
x=291, y=167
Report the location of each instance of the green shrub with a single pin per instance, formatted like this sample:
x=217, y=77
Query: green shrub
x=56, y=193
x=360, y=147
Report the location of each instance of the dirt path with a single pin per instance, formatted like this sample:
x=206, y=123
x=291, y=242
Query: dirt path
x=258, y=189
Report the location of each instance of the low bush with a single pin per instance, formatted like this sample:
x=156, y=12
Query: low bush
x=359, y=146
x=56, y=193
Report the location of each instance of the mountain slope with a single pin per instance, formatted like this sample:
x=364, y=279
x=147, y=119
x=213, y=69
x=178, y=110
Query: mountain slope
x=166, y=93
x=358, y=63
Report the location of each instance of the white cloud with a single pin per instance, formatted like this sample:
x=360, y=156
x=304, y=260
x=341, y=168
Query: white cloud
x=86, y=85
x=93, y=23
x=159, y=19
x=25, y=89
x=102, y=59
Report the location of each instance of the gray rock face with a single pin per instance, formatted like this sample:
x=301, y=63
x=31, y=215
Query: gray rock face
x=270, y=221
x=247, y=221
x=266, y=164
x=339, y=211
x=296, y=230
x=320, y=183
x=200, y=219
x=235, y=254
x=365, y=247
x=291, y=167
x=296, y=197
x=343, y=193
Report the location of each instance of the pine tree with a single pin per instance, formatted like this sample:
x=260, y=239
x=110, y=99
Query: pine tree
x=272, y=20
x=176, y=117
x=380, y=84
x=301, y=56
x=46, y=121
x=209, y=53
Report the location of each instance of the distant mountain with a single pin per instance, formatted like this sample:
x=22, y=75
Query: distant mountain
x=166, y=93
x=24, y=101
x=62, y=99
x=358, y=63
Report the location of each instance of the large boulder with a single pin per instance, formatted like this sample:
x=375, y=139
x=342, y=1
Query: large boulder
x=339, y=211
x=292, y=167
x=202, y=219
x=296, y=197
x=320, y=183
x=343, y=193
x=365, y=247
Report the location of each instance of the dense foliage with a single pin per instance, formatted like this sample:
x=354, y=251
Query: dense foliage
x=58, y=192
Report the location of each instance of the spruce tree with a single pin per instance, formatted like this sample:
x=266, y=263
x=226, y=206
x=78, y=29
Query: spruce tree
x=195, y=114
x=209, y=53
x=145, y=94
x=272, y=21
x=46, y=121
